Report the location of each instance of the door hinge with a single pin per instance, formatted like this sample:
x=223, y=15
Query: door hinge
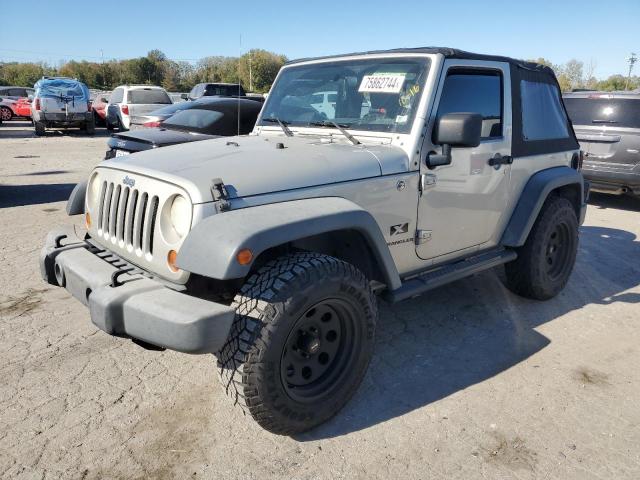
x=427, y=180
x=422, y=236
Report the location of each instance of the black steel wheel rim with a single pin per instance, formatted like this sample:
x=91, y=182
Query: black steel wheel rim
x=557, y=250
x=319, y=350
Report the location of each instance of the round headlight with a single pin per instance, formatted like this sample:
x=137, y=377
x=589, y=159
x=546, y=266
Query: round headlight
x=93, y=190
x=180, y=215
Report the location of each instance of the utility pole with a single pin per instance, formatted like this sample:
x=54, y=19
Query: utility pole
x=250, y=76
x=104, y=77
x=632, y=60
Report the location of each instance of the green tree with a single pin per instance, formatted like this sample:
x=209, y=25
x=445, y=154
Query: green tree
x=617, y=82
x=258, y=69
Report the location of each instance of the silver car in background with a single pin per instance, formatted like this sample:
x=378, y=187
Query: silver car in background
x=128, y=101
x=607, y=125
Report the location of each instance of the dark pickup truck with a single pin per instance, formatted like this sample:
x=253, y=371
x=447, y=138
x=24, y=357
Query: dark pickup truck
x=220, y=90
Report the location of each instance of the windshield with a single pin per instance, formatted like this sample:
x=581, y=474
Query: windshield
x=148, y=96
x=618, y=112
x=223, y=90
x=64, y=88
x=193, y=119
x=379, y=95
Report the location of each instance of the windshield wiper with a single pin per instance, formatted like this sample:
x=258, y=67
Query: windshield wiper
x=283, y=124
x=339, y=126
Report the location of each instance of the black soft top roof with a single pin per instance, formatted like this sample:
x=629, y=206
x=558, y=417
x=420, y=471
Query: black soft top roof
x=447, y=52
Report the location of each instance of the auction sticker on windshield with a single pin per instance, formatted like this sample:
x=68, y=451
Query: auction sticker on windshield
x=382, y=83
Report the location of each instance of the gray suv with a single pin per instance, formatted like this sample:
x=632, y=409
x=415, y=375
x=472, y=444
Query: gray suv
x=270, y=250
x=607, y=125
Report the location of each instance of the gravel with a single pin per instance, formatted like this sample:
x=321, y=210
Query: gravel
x=466, y=382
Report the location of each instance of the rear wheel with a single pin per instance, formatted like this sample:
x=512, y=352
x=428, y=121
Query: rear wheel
x=546, y=260
x=40, y=128
x=301, y=341
x=90, y=126
x=5, y=114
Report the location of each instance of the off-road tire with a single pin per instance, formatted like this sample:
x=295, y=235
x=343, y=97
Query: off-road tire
x=90, y=127
x=40, y=128
x=269, y=307
x=536, y=273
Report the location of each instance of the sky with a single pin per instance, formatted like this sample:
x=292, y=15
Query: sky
x=601, y=32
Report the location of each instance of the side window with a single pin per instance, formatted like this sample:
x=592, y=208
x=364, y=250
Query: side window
x=543, y=117
x=117, y=96
x=17, y=92
x=474, y=91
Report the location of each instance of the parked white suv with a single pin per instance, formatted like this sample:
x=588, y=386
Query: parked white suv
x=128, y=101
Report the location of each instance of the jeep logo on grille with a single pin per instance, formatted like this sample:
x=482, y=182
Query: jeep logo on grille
x=130, y=182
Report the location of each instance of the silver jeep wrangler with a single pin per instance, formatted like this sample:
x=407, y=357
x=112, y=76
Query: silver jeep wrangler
x=269, y=250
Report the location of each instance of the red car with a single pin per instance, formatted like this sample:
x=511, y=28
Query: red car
x=22, y=108
x=6, y=109
x=99, y=107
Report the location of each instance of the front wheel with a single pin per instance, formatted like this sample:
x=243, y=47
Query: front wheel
x=5, y=114
x=301, y=341
x=546, y=260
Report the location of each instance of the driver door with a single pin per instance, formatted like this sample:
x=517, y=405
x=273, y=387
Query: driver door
x=462, y=205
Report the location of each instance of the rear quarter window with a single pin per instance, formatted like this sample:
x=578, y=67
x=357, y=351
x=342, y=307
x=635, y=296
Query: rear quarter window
x=148, y=97
x=117, y=96
x=614, y=112
x=543, y=117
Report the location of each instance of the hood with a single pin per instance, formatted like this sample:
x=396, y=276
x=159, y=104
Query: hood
x=253, y=165
x=157, y=137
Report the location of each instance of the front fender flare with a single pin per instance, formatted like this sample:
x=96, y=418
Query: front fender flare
x=75, y=204
x=533, y=197
x=211, y=247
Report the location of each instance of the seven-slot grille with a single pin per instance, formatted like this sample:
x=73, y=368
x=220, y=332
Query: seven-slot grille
x=127, y=216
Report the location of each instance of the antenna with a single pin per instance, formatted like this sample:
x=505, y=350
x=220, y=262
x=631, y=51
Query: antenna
x=238, y=97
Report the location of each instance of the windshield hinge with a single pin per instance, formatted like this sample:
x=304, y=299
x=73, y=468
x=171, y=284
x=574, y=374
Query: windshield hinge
x=220, y=195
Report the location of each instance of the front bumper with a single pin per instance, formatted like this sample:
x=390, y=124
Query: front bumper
x=129, y=304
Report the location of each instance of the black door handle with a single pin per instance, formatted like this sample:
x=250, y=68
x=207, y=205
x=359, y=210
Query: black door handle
x=500, y=160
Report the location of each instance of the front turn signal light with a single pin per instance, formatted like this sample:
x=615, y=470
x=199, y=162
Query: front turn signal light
x=244, y=256
x=171, y=261
x=87, y=220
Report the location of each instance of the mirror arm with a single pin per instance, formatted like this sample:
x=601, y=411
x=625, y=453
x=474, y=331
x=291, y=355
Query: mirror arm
x=437, y=160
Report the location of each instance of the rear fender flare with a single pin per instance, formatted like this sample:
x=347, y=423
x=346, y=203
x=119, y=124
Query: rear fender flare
x=533, y=196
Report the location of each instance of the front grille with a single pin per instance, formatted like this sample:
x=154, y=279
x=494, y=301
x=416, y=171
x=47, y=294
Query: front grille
x=127, y=217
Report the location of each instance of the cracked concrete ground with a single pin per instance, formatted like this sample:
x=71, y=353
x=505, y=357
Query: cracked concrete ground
x=467, y=382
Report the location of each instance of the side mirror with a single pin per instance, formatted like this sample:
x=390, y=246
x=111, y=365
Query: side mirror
x=184, y=96
x=455, y=130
